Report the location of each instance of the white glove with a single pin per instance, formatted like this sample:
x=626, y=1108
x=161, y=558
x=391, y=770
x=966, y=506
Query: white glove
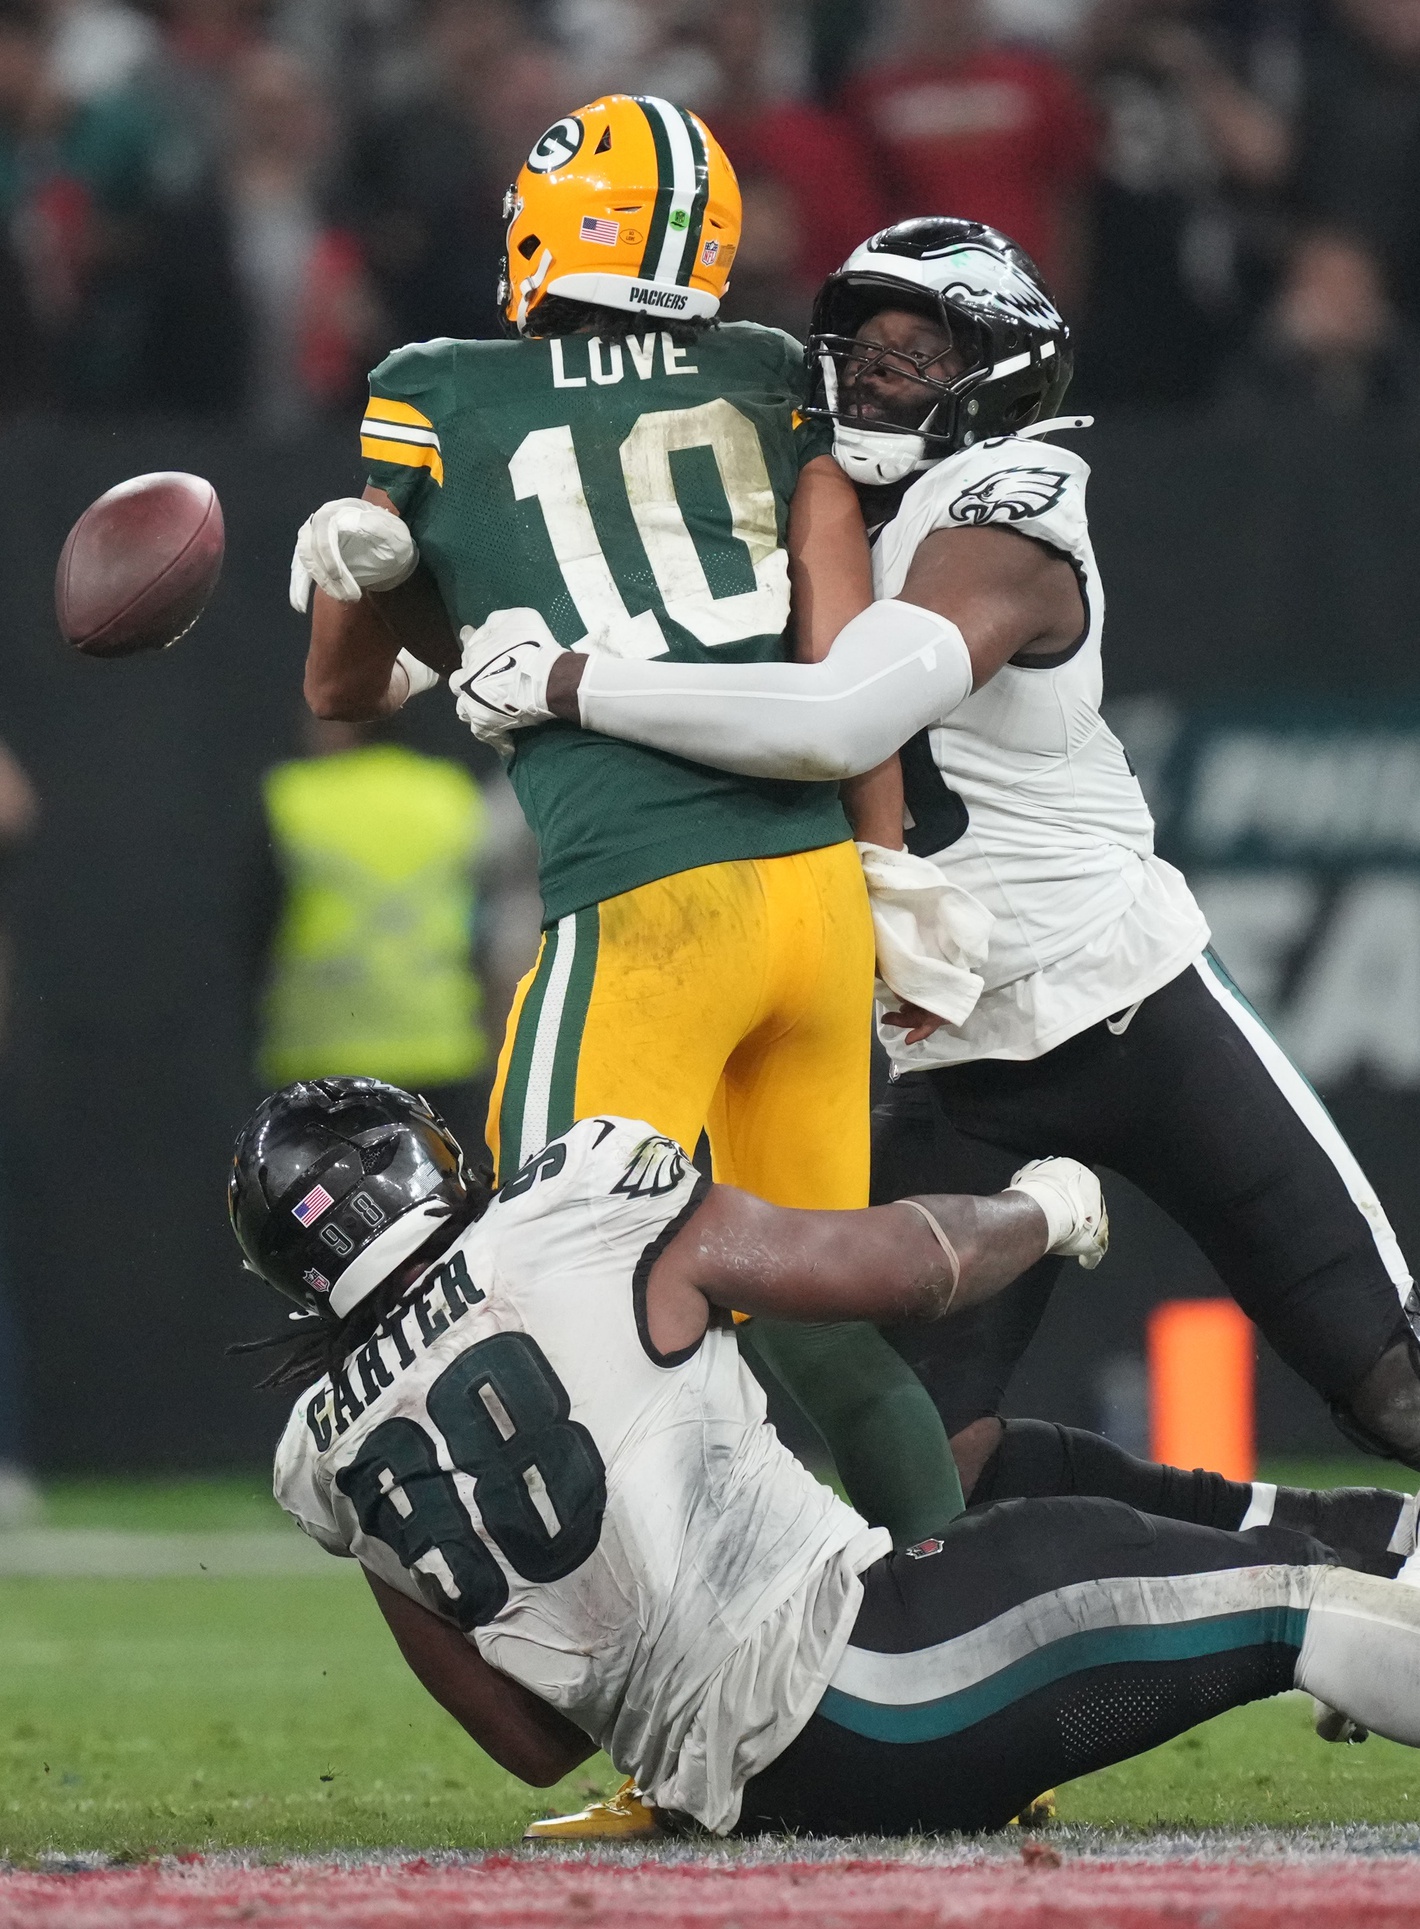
x=930, y=934
x=419, y=675
x=502, y=682
x=349, y=546
x=1069, y=1195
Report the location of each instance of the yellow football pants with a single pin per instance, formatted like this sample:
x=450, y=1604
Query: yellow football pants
x=736, y=998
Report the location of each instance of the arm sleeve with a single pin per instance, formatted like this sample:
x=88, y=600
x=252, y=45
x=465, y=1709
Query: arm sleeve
x=892, y=671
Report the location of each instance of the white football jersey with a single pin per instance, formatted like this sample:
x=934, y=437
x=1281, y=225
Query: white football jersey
x=620, y=1531
x=1023, y=795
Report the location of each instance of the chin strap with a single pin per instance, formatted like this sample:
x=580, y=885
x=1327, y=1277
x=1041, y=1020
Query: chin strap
x=1055, y=422
x=878, y=457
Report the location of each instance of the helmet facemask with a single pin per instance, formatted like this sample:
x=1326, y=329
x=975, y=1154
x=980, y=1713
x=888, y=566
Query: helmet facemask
x=895, y=407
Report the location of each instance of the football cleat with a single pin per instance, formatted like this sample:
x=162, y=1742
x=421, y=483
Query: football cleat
x=502, y=683
x=1332, y=1725
x=623, y=1817
x=1069, y=1195
x=1037, y=1813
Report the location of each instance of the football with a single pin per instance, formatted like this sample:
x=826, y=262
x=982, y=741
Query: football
x=138, y=566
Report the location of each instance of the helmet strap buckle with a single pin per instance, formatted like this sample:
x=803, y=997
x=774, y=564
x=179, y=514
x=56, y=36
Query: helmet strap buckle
x=529, y=286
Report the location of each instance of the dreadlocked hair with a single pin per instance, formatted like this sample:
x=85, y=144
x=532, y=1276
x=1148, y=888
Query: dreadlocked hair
x=322, y=1343
x=556, y=315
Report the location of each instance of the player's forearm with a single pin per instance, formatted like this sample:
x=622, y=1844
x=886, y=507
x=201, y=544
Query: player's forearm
x=521, y=1733
x=350, y=662
x=351, y=670
x=830, y=566
x=895, y=669
x=874, y=805
x=882, y=1264
x=995, y=1239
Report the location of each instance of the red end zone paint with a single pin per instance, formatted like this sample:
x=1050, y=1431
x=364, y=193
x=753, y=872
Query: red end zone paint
x=1382, y=1893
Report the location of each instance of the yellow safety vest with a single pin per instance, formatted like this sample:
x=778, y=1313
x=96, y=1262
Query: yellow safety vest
x=371, y=970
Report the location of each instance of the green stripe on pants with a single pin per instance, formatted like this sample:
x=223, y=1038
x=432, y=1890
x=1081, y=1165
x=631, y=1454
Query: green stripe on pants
x=510, y=1112
x=562, y=1087
x=539, y=1099
x=1101, y=1647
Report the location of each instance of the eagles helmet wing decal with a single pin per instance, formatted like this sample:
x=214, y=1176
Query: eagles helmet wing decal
x=981, y=278
x=657, y=1165
x=1011, y=495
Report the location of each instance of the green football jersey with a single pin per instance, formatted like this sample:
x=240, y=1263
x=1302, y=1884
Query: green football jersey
x=636, y=493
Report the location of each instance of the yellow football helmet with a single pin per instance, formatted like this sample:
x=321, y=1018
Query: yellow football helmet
x=628, y=203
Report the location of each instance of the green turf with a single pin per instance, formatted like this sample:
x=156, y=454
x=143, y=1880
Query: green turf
x=180, y=1503
x=140, y=1715
x=1339, y=1473
x=143, y=1715
x=276, y=1714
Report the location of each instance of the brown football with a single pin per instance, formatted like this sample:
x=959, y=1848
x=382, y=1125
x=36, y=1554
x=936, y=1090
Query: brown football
x=138, y=566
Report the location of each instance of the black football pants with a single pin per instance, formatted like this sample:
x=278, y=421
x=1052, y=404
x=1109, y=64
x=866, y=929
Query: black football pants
x=1046, y=1639
x=1193, y=1101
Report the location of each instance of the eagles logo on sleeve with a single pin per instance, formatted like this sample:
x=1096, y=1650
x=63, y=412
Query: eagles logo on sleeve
x=1011, y=495
x=657, y=1165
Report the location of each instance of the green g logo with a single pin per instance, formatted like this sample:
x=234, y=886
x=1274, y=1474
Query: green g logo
x=558, y=146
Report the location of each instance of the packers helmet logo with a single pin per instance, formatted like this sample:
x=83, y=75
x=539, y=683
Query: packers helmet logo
x=558, y=146
x=657, y=1165
x=1011, y=495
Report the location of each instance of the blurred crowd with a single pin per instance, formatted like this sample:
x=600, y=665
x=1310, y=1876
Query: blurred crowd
x=237, y=206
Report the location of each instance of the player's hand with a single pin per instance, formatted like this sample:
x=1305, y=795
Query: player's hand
x=921, y=1023
x=349, y=546
x=502, y=683
x=1069, y=1195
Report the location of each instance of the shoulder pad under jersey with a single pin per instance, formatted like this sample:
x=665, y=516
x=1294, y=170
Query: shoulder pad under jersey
x=1036, y=488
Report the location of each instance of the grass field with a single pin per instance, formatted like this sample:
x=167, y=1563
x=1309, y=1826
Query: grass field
x=276, y=1714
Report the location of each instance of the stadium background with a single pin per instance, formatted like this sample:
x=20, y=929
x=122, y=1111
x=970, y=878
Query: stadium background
x=218, y=213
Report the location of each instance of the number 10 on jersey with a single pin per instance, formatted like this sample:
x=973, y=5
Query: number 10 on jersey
x=545, y=467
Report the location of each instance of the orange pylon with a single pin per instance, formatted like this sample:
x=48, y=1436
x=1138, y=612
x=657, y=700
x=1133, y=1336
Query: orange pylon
x=1201, y=1366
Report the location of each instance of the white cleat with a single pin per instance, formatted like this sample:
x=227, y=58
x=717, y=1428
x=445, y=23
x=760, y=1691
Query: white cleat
x=1069, y=1195
x=501, y=684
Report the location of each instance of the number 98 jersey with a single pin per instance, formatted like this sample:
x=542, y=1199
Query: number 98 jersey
x=617, y=1529
x=636, y=492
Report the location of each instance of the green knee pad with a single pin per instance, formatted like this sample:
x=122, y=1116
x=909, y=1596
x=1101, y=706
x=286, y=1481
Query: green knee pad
x=886, y=1438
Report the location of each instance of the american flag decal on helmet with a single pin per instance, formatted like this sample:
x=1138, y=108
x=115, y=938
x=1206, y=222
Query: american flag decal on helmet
x=309, y=1209
x=605, y=233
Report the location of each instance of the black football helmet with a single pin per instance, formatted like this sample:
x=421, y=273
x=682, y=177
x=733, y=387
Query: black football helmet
x=336, y=1181
x=989, y=297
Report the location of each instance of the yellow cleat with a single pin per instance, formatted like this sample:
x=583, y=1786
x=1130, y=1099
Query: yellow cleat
x=622, y=1817
x=1037, y=1813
